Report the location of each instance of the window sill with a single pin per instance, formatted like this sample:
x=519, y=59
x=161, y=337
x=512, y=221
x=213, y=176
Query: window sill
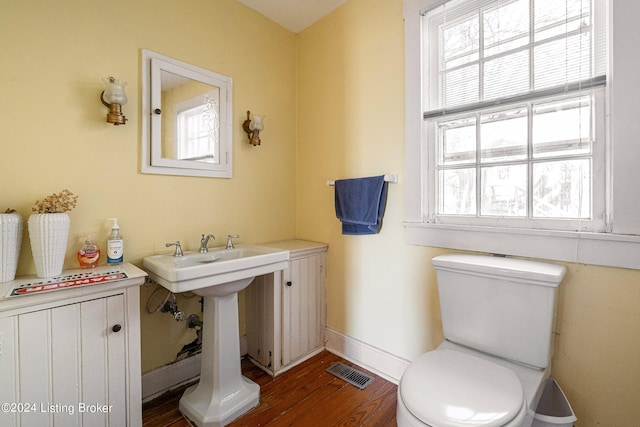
x=611, y=250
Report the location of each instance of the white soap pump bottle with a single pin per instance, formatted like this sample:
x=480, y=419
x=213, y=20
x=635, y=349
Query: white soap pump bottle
x=115, y=244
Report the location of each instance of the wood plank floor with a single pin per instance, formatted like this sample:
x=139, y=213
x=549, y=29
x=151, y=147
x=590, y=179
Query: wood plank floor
x=305, y=396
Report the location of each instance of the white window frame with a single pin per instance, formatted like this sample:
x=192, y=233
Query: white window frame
x=619, y=246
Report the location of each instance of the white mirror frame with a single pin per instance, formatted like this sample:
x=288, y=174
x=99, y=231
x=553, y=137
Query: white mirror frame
x=152, y=64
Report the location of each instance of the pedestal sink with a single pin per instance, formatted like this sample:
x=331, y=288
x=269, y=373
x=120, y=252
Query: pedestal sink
x=222, y=394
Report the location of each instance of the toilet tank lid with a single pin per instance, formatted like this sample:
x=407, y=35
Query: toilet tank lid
x=544, y=273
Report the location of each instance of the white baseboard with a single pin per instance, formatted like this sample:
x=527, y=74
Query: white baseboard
x=168, y=377
x=380, y=362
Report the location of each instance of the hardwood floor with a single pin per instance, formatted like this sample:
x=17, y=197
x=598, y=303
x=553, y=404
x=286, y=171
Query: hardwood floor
x=305, y=396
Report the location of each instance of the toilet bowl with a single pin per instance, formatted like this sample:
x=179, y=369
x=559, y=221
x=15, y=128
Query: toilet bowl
x=497, y=316
x=454, y=386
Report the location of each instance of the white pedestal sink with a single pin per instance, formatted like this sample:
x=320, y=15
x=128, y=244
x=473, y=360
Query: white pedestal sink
x=222, y=394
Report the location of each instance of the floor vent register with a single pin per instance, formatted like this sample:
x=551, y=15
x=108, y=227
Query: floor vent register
x=350, y=375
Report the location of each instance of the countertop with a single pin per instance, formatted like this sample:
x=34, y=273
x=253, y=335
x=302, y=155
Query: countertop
x=298, y=248
x=71, y=285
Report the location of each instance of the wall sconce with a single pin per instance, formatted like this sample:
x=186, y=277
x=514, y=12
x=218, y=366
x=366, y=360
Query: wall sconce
x=253, y=128
x=114, y=97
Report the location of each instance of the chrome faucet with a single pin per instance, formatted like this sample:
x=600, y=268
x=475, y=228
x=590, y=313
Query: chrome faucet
x=178, y=251
x=203, y=243
x=230, y=240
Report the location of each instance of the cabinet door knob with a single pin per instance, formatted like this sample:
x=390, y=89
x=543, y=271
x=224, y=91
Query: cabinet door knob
x=116, y=328
x=289, y=283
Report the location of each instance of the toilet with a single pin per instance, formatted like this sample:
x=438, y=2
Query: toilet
x=497, y=319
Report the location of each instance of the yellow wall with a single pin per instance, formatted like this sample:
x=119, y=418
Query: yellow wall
x=54, y=136
x=383, y=292
x=338, y=87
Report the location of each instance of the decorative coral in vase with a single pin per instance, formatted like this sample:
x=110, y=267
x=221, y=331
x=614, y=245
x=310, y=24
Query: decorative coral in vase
x=10, y=241
x=49, y=231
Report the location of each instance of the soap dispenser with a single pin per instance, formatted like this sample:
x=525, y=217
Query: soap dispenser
x=115, y=244
x=89, y=254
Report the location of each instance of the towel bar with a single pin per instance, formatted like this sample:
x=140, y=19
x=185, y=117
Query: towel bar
x=392, y=178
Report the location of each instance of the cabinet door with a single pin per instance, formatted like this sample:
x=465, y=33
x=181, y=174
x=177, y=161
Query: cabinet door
x=303, y=309
x=70, y=365
x=8, y=364
x=104, y=360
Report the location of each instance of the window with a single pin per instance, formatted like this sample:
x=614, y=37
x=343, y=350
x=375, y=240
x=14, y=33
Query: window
x=487, y=166
x=533, y=160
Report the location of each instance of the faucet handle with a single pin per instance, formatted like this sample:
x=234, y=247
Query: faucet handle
x=178, y=251
x=230, y=238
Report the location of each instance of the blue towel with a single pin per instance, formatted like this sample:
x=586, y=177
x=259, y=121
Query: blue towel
x=360, y=204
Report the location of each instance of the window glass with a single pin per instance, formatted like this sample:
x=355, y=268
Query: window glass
x=458, y=141
x=504, y=136
x=458, y=191
x=504, y=190
x=562, y=128
x=562, y=189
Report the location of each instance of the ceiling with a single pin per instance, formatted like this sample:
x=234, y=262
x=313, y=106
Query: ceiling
x=294, y=15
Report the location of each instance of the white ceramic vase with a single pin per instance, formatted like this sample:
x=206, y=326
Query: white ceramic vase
x=10, y=241
x=48, y=234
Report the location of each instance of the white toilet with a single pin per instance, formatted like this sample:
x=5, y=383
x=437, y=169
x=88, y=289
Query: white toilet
x=497, y=319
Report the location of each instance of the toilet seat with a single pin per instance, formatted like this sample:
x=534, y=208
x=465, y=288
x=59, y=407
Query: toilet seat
x=448, y=388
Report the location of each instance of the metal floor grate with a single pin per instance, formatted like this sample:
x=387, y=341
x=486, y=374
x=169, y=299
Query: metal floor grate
x=350, y=375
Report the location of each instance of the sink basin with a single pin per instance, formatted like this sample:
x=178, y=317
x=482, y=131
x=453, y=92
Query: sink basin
x=228, y=268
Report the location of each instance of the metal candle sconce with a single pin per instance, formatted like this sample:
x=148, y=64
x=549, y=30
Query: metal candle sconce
x=114, y=97
x=253, y=126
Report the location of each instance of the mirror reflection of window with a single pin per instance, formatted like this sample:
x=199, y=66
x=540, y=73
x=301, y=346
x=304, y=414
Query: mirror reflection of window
x=197, y=132
x=193, y=133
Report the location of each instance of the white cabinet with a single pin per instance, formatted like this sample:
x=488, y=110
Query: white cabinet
x=72, y=357
x=285, y=325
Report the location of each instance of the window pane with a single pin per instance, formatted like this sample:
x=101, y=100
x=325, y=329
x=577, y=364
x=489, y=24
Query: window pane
x=461, y=86
x=506, y=75
x=561, y=189
x=562, y=128
x=503, y=136
x=553, y=17
x=564, y=60
x=457, y=141
x=460, y=43
x=504, y=191
x=506, y=27
x=457, y=192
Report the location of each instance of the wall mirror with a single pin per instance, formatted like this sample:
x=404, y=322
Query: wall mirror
x=186, y=127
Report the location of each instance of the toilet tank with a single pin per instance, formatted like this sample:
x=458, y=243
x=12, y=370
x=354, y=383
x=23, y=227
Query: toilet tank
x=501, y=306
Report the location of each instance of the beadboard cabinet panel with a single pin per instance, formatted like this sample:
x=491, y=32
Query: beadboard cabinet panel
x=72, y=364
x=8, y=367
x=263, y=325
x=303, y=319
x=72, y=357
x=66, y=351
x=286, y=318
